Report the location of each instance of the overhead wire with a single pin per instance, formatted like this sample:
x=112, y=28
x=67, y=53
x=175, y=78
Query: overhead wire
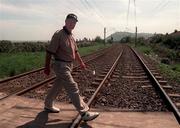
x=98, y=14
x=93, y=7
x=76, y=7
x=160, y=6
x=135, y=12
x=89, y=7
x=164, y=5
x=108, y=29
x=178, y=15
x=127, y=18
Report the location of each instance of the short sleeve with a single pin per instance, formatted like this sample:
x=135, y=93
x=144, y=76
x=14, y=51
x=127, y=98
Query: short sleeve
x=54, y=44
x=76, y=47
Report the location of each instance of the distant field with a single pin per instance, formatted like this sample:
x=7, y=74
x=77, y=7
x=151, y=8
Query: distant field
x=15, y=63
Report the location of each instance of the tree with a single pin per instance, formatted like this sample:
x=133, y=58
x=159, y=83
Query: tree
x=175, y=30
x=98, y=39
x=126, y=39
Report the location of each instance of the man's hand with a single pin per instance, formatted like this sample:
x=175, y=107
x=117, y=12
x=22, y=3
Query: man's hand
x=83, y=66
x=47, y=70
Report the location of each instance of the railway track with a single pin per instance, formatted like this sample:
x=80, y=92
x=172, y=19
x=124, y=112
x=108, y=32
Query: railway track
x=171, y=97
x=101, y=81
x=24, y=82
x=142, y=90
x=127, y=83
x=87, y=82
x=130, y=88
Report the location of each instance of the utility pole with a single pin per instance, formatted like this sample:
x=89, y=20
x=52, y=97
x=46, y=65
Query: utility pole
x=104, y=36
x=136, y=36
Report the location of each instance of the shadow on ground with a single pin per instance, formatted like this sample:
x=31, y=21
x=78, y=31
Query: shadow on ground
x=41, y=121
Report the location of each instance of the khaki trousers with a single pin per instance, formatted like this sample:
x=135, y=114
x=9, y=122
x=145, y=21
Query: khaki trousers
x=64, y=79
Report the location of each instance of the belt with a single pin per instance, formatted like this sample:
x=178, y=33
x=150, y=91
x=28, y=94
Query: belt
x=63, y=60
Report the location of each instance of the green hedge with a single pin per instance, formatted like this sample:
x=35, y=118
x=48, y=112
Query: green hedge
x=14, y=47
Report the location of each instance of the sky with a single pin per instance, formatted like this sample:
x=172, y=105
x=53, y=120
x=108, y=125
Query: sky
x=39, y=19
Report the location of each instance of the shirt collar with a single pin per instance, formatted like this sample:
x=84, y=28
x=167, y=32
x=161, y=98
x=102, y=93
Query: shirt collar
x=66, y=31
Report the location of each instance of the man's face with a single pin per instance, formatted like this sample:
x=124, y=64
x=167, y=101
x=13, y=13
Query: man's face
x=70, y=24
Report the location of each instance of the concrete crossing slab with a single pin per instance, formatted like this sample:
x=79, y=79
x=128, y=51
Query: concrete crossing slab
x=20, y=112
x=133, y=120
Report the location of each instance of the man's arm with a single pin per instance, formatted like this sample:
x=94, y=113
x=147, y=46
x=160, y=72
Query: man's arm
x=78, y=58
x=47, y=63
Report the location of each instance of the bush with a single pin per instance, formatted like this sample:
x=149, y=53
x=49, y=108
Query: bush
x=165, y=61
x=5, y=46
x=169, y=42
x=13, y=47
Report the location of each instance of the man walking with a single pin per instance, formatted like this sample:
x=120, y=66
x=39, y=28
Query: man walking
x=64, y=50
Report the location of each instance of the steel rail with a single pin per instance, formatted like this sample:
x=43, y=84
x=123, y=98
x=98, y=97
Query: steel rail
x=20, y=75
x=42, y=68
x=78, y=119
x=43, y=82
x=28, y=89
x=163, y=94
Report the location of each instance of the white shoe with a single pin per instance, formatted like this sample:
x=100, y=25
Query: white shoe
x=52, y=109
x=88, y=116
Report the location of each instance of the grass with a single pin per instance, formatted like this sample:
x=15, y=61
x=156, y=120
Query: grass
x=17, y=63
x=87, y=50
x=13, y=64
x=172, y=71
x=145, y=49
